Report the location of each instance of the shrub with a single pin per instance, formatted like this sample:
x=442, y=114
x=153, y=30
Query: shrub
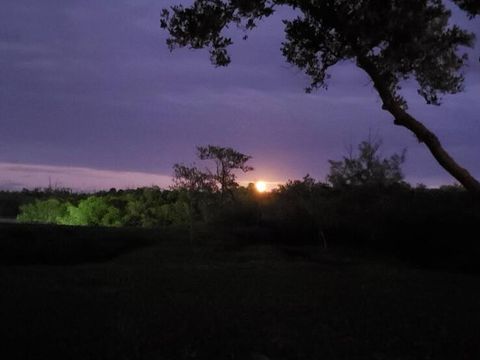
x=43, y=211
x=92, y=211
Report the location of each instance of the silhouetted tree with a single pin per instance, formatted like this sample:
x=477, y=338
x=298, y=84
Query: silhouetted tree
x=305, y=203
x=192, y=179
x=391, y=40
x=193, y=183
x=472, y=7
x=367, y=168
x=198, y=186
x=226, y=160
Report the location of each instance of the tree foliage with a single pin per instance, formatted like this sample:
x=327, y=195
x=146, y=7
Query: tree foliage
x=144, y=207
x=222, y=178
x=43, y=211
x=200, y=187
x=94, y=210
x=401, y=38
x=367, y=168
x=192, y=179
x=226, y=161
x=472, y=7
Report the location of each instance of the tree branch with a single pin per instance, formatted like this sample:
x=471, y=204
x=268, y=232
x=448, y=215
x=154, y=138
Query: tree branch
x=423, y=134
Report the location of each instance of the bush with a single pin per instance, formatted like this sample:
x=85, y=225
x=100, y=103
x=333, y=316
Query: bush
x=367, y=168
x=43, y=211
x=92, y=211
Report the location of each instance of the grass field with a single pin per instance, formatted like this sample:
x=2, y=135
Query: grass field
x=85, y=293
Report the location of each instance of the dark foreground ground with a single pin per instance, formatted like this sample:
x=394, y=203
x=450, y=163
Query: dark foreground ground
x=79, y=293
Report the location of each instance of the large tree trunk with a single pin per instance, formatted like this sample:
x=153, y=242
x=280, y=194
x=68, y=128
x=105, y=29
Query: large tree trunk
x=402, y=118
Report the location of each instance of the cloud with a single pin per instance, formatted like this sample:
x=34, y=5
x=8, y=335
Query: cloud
x=17, y=176
x=11, y=185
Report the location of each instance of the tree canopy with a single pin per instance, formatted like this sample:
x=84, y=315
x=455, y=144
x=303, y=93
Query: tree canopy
x=367, y=168
x=470, y=6
x=222, y=178
x=192, y=179
x=391, y=40
x=226, y=160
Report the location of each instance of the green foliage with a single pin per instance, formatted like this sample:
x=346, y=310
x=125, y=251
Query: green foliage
x=143, y=207
x=367, y=168
x=94, y=210
x=151, y=207
x=12, y=201
x=43, y=211
x=411, y=222
x=175, y=213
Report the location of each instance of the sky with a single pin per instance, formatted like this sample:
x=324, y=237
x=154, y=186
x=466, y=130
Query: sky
x=91, y=98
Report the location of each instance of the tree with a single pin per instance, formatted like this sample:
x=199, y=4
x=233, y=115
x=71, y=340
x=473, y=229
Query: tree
x=192, y=179
x=197, y=184
x=195, y=181
x=47, y=211
x=472, y=7
x=367, y=168
x=193, y=184
x=226, y=160
x=391, y=40
x=93, y=211
x=222, y=179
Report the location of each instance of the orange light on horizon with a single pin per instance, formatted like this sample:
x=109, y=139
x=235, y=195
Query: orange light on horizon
x=261, y=186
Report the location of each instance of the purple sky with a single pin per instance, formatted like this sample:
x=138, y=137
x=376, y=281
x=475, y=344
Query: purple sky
x=90, y=97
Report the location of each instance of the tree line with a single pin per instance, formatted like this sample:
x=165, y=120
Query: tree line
x=363, y=202
x=198, y=193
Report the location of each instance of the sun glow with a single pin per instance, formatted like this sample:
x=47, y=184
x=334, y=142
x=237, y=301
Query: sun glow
x=261, y=186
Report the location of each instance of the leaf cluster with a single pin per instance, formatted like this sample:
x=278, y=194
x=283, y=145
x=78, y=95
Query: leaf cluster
x=367, y=168
x=222, y=178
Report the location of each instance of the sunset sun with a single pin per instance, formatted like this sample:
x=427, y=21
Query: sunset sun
x=261, y=186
